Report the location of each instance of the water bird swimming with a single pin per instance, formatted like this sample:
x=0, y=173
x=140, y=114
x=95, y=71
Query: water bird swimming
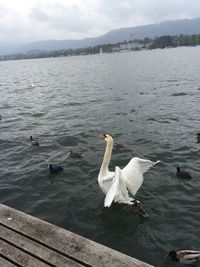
x=182, y=174
x=184, y=256
x=75, y=155
x=198, y=137
x=117, y=185
x=55, y=169
x=118, y=146
x=34, y=142
x=139, y=210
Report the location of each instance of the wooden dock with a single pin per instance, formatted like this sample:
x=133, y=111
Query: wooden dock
x=26, y=241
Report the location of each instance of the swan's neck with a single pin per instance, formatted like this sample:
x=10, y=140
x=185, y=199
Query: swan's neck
x=106, y=159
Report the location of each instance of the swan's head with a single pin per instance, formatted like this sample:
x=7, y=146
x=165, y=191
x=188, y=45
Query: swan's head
x=106, y=137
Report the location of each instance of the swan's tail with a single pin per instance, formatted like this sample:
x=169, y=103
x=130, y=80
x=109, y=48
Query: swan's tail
x=113, y=189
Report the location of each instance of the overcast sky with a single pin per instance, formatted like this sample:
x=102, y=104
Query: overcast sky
x=34, y=20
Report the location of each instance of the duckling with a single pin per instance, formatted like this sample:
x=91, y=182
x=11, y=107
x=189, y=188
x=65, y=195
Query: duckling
x=118, y=146
x=75, y=155
x=55, y=169
x=182, y=174
x=34, y=142
x=139, y=210
x=184, y=256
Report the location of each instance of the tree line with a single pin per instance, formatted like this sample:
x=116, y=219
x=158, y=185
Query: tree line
x=164, y=41
x=175, y=41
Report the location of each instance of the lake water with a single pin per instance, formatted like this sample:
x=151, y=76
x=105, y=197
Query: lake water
x=147, y=100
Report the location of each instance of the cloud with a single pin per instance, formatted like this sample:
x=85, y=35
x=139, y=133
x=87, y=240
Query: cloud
x=138, y=12
x=68, y=20
x=3, y=12
x=39, y=15
x=34, y=20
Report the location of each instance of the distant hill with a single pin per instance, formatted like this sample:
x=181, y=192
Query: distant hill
x=173, y=27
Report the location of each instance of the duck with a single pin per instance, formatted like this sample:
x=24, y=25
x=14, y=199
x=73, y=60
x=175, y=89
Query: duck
x=75, y=155
x=119, y=184
x=55, y=169
x=139, y=210
x=184, y=256
x=34, y=142
x=119, y=146
x=182, y=174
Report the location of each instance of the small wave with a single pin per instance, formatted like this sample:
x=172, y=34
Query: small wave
x=76, y=104
x=174, y=119
x=166, y=121
x=96, y=101
x=118, y=99
x=184, y=148
x=38, y=115
x=171, y=80
x=152, y=119
x=120, y=113
x=142, y=141
x=179, y=94
x=67, y=140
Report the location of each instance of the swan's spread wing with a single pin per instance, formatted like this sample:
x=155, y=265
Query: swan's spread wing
x=112, y=191
x=117, y=189
x=133, y=173
x=146, y=164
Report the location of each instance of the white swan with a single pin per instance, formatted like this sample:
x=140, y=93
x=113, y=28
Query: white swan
x=117, y=185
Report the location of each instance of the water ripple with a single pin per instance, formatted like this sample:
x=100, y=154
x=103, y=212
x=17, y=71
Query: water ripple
x=68, y=110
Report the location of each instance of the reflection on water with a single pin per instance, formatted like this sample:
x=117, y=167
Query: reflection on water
x=147, y=100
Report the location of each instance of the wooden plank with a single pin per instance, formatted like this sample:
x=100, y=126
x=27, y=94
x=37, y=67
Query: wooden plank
x=80, y=249
x=33, y=248
x=5, y=263
x=18, y=257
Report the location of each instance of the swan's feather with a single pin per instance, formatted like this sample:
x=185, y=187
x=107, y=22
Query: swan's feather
x=133, y=173
x=117, y=191
x=148, y=164
x=143, y=164
x=109, y=177
x=113, y=189
x=123, y=192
